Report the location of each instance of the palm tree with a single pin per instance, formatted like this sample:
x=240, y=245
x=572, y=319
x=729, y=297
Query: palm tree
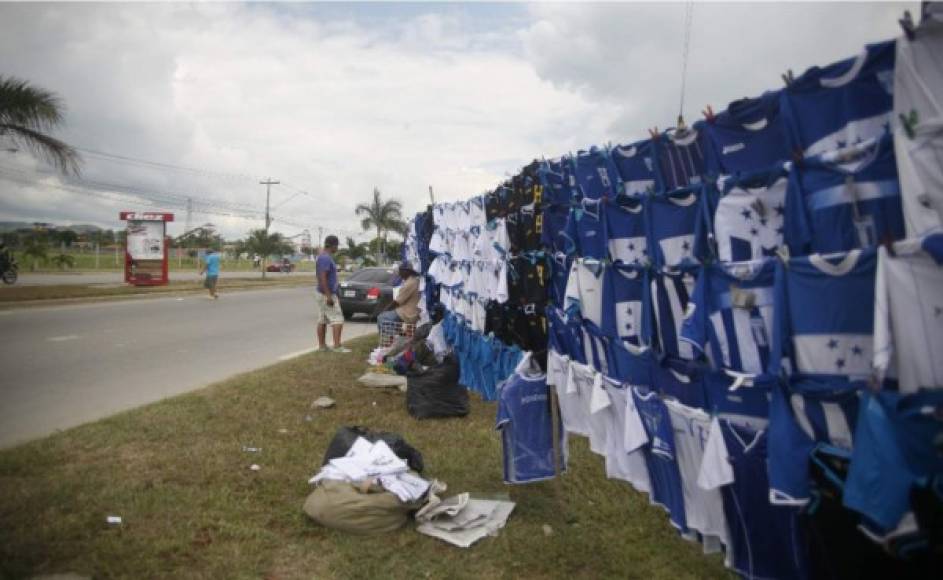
x=379, y=214
x=63, y=261
x=265, y=244
x=27, y=113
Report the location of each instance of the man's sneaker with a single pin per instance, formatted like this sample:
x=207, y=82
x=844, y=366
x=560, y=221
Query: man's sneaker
x=340, y=349
x=322, y=349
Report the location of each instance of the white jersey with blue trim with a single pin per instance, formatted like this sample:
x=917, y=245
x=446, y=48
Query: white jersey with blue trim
x=625, y=225
x=637, y=167
x=824, y=319
x=844, y=199
x=908, y=317
x=749, y=219
x=746, y=137
x=918, y=95
x=730, y=316
x=847, y=101
x=584, y=289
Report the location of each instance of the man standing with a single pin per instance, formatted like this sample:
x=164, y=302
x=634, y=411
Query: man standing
x=211, y=267
x=406, y=306
x=327, y=306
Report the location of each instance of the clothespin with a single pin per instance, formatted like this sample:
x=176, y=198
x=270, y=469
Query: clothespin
x=909, y=122
x=708, y=113
x=788, y=77
x=888, y=244
x=797, y=157
x=907, y=24
x=654, y=133
x=681, y=126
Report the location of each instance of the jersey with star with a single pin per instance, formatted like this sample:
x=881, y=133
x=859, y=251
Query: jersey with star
x=748, y=221
x=626, y=309
x=824, y=318
x=675, y=226
x=833, y=106
x=844, y=199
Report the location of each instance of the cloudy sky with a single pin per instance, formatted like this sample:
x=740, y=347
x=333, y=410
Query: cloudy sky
x=171, y=101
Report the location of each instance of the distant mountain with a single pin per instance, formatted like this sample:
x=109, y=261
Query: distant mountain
x=77, y=228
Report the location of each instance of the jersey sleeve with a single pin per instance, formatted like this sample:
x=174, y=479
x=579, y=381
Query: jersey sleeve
x=634, y=435
x=599, y=399
x=504, y=414
x=715, y=467
x=694, y=329
x=571, y=296
x=883, y=335
x=781, y=344
x=571, y=233
x=501, y=279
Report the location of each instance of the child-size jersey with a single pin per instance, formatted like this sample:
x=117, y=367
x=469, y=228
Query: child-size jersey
x=574, y=406
x=626, y=230
x=596, y=175
x=896, y=445
x=730, y=315
x=492, y=242
x=747, y=137
x=680, y=158
x=703, y=508
x=625, y=303
x=824, y=319
x=844, y=199
x=587, y=226
x=556, y=185
x=749, y=218
x=843, y=103
x=656, y=438
x=584, y=290
x=676, y=220
x=621, y=463
x=908, y=317
x=524, y=419
x=637, y=167
x=553, y=229
x=765, y=539
x=670, y=294
x=920, y=167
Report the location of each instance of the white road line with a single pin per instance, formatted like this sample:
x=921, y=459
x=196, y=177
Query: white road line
x=292, y=355
x=63, y=338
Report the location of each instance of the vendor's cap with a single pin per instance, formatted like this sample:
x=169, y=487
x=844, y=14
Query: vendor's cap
x=406, y=265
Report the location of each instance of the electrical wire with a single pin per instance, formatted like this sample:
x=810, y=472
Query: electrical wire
x=688, y=18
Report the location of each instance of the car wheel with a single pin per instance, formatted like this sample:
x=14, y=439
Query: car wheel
x=347, y=314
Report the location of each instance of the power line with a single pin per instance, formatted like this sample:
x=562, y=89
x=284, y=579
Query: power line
x=688, y=18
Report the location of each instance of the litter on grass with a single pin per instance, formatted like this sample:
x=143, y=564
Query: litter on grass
x=255, y=467
x=323, y=403
x=113, y=520
x=461, y=520
x=382, y=380
x=251, y=449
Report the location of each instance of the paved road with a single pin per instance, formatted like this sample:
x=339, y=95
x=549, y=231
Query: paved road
x=87, y=278
x=67, y=365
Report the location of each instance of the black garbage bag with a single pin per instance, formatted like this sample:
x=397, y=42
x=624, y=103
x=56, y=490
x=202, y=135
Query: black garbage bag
x=345, y=436
x=435, y=392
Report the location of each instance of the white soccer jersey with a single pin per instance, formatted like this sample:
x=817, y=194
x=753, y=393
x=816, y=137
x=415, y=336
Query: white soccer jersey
x=476, y=212
x=478, y=314
x=622, y=464
x=918, y=89
x=439, y=269
x=703, y=509
x=584, y=289
x=558, y=366
x=908, y=317
x=492, y=242
x=600, y=416
x=748, y=223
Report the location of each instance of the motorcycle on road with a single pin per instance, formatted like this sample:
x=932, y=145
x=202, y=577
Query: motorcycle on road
x=10, y=273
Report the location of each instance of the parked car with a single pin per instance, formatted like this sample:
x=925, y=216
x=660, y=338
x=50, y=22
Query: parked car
x=285, y=265
x=368, y=291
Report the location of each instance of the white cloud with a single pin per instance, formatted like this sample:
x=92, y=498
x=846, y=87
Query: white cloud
x=338, y=99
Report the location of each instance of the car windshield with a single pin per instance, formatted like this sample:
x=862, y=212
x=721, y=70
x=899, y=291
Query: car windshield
x=372, y=276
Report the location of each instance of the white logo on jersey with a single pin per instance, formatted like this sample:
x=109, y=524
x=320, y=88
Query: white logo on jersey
x=733, y=148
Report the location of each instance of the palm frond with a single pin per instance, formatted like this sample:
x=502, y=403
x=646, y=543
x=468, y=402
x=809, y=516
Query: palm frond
x=59, y=153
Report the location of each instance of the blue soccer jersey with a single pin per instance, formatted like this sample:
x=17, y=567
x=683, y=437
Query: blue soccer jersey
x=556, y=184
x=560, y=265
x=748, y=220
x=681, y=159
x=680, y=380
x=637, y=167
x=824, y=319
x=730, y=315
x=627, y=231
x=553, y=229
x=747, y=137
x=803, y=414
x=596, y=175
x=765, y=539
x=844, y=200
x=625, y=304
x=850, y=100
x=675, y=224
x=657, y=440
x=588, y=222
x=670, y=294
x=897, y=443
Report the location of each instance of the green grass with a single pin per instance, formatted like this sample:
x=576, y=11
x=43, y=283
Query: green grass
x=85, y=262
x=175, y=471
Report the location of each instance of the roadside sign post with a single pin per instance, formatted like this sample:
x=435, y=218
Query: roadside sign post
x=146, y=249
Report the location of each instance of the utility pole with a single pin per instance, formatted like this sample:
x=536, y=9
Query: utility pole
x=431, y=195
x=320, y=233
x=268, y=183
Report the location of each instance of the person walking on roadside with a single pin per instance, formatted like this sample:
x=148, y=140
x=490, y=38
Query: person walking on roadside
x=327, y=305
x=211, y=267
x=406, y=306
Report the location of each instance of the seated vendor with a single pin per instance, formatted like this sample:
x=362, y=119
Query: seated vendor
x=406, y=306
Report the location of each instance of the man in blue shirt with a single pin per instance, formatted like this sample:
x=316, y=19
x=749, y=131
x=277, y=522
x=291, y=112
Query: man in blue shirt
x=211, y=267
x=327, y=306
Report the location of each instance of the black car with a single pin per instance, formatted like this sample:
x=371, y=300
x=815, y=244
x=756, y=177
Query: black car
x=368, y=291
